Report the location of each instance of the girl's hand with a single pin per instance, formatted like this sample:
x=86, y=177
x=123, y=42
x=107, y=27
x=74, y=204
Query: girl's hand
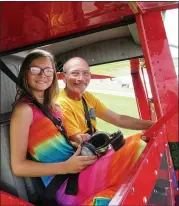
x=77, y=163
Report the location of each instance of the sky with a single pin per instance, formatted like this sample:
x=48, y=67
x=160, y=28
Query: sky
x=171, y=27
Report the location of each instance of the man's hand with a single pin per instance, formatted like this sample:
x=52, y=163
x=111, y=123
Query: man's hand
x=85, y=137
x=80, y=138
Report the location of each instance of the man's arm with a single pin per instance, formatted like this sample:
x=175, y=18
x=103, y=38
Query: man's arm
x=125, y=121
x=73, y=128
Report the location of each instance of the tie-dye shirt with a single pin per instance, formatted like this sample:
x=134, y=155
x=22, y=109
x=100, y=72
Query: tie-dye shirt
x=98, y=183
x=46, y=144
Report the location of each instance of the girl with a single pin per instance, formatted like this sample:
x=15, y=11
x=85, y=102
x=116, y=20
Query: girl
x=32, y=131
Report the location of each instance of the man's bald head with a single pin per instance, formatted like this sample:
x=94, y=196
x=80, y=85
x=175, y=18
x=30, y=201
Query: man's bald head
x=75, y=61
x=76, y=77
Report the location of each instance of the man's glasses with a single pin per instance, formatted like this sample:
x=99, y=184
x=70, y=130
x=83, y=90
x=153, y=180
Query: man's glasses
x=77, y=73
x=37, y=70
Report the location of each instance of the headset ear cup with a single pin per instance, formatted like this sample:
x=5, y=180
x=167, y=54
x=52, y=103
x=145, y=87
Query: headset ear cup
x=100, y=140
x=117, y=140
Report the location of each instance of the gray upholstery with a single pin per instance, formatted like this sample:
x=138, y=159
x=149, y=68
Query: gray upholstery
x=8, y=87
x=29, y=189
x=9, y=182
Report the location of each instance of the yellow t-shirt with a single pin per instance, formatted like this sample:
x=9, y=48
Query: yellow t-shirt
x=74, y=115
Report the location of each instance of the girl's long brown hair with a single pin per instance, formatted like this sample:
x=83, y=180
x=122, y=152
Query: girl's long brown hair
x=52, y=92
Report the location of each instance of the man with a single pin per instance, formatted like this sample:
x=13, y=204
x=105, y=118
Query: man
x=77, y=77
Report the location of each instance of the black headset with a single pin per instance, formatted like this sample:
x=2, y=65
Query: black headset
x=100, y=142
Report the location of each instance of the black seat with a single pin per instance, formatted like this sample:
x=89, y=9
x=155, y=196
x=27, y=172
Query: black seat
x=28, y=189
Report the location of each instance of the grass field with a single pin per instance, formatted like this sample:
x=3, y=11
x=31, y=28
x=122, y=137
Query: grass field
x=119, y=104
x=122, y=105
x=112, y=69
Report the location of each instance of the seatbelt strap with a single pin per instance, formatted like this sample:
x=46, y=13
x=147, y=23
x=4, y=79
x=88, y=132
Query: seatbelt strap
x=87, y=117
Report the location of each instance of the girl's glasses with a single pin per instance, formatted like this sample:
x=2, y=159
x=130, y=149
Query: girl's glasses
x=37, y=70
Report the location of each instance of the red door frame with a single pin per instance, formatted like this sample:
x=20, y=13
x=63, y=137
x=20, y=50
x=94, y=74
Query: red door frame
x=140, y=184
x=160, y=68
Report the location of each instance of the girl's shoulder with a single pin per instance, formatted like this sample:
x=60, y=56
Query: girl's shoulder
x=25, y=105
x=22, y=110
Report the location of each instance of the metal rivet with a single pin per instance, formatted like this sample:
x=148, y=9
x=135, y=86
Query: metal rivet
x=166, y=145
x=161, y=132
x=170, y=180
x=133, y=190
x=144, y=138
x=145, y=200
x=92, y=60
x=155, y=172
x=121, y=8
x=147, y=161
x=161, y=155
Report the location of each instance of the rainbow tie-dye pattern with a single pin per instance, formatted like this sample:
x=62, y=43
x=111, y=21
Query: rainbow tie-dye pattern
x=46, y=144
x=99, y=182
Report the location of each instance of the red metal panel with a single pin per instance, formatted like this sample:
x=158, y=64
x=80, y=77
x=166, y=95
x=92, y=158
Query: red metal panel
x=143, y=7
x=162, y=121
x=158, y=5
x=26, y=23
x=137, y=190
x=130, y=195
x=148, y=172
x=160, y=68
x=10, y=200
x=140, y=94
